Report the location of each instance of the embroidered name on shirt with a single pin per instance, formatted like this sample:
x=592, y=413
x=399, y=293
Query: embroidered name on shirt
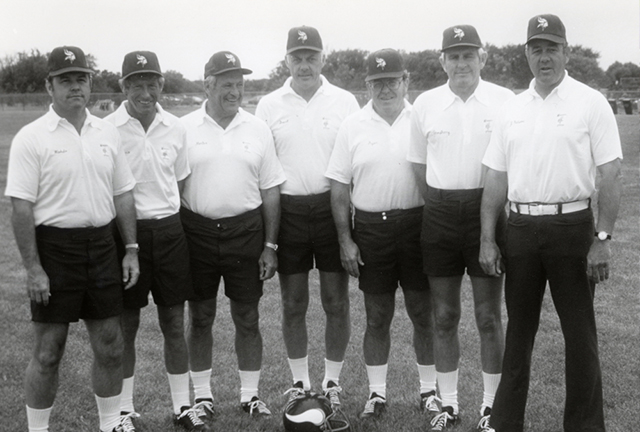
x=201, y=143
x=59, y=151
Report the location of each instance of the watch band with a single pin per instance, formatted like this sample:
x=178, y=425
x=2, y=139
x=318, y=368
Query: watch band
x=135, y=246
x=271, y=245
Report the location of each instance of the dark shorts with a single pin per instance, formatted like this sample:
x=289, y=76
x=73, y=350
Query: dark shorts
x=451, y=233
x=389, y=244
x=84, y=274
x=307, y=233
x=164, y=264
x=227, y=248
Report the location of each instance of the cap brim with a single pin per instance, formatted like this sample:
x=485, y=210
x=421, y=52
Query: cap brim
x=462, y=44
x=384, y=75
x=298, y=48
x=70, y=69
x=549, y=37
x=231, y=69
x=142, y=72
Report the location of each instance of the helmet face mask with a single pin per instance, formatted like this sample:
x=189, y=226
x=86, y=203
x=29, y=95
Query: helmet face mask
x=313, y=413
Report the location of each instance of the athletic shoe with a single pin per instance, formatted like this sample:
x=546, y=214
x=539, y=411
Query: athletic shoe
x=429, y=404
x=256, y=406
x=483, y=424
x=374, y=407
x=204, y=408
x=296, y=391
x=444, y=420
x=332, y=393
x=190, y=421
x=126, y=425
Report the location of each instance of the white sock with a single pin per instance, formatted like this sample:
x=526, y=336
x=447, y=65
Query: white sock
x=108, y=412
x=427, y=378
x=38, y=419
x=201, y=384
x=377, y=380
x=491, y=382
x=179, y=386
x=126, y=401
x=300, y=371
x=249, y=385
x=332, y=371
x=448, y=383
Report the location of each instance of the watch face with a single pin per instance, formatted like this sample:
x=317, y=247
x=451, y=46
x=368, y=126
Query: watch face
x=602, y=235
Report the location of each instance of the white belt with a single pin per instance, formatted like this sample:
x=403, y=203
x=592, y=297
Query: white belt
x=541, y=209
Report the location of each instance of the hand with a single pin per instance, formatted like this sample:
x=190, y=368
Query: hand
x=350, y=257
x=268, y=263
x=491, y=258
x=38, y=285
x=598, y=261
x=130, y=268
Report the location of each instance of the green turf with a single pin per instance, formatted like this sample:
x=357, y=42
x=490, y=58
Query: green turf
x=616, y=305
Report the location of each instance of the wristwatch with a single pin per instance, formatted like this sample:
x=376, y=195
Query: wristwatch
x=603, y=235
x=271, y=245
x=135, y=246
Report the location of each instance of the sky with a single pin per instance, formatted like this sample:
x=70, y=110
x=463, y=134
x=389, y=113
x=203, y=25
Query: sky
x=185, y=33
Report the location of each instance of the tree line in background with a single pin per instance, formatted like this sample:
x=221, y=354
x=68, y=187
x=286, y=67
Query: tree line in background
x=25, y=72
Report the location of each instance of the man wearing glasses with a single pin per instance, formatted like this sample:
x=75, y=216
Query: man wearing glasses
x=369, y=170
x=450, y=129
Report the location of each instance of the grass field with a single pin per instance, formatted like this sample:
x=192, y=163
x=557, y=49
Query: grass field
x=616, y=305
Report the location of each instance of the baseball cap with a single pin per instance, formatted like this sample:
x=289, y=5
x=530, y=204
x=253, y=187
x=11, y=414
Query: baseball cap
x=139, y=62
x=67, y=59
x=548, y=27
x=460, y=35
x=224, y=61
x=303, y=37
x=384, y=63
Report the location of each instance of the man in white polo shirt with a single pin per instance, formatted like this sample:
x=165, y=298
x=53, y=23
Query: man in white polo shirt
x=547, y=146
x=384, y=248
x=68, y=179
x=304, y=116
x=154, y=142
x=230, y=212
x=451, y=127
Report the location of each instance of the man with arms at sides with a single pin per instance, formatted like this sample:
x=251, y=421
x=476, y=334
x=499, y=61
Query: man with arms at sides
x=304, y=116
x=384, y=248
x=154, y=142
x=451, y=128
x=68, y=179
x=548, y=144
x=230, y=211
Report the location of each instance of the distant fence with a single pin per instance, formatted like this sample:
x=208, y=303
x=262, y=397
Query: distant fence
x=110, y=101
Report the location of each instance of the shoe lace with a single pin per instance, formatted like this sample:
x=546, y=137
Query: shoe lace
x=126, y=425
x=192, y=415
x=294, y=393
x=332, y=393
x=204, y=408
x=258, y=406
x=439, y=422
x=430, y=403
x=483, y=425
x=370, y=406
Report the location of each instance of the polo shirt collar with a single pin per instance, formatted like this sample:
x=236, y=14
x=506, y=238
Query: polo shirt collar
x=122, y=116
x=325, y=87
x=371, y=114
x=480, y=93
x=240, y=117
x=562, y=90
x=53, y=119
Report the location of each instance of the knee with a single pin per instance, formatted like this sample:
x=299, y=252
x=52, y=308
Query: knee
x=247, y=321
x=47, y=360
x=336, y=305
x=201, y=320
x=446, y=320
x=172, y=329
x=294, y=308
x=379, y=323
x=488, y=322
x=109, y=348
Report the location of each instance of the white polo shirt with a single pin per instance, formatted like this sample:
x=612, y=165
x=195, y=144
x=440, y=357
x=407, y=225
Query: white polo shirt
x=550, y=148
x=71, y=178
x=228, y=166
x=451, y=135
x=158, y=160
x=372, y=154
x=305, y=132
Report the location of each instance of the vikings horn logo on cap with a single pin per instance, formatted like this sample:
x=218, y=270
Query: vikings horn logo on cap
x=69, y=55
x=380, y=63
x=141, y=60
x=303, y=37
x=542, y=23
x=458, y=33
x=230, y=58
